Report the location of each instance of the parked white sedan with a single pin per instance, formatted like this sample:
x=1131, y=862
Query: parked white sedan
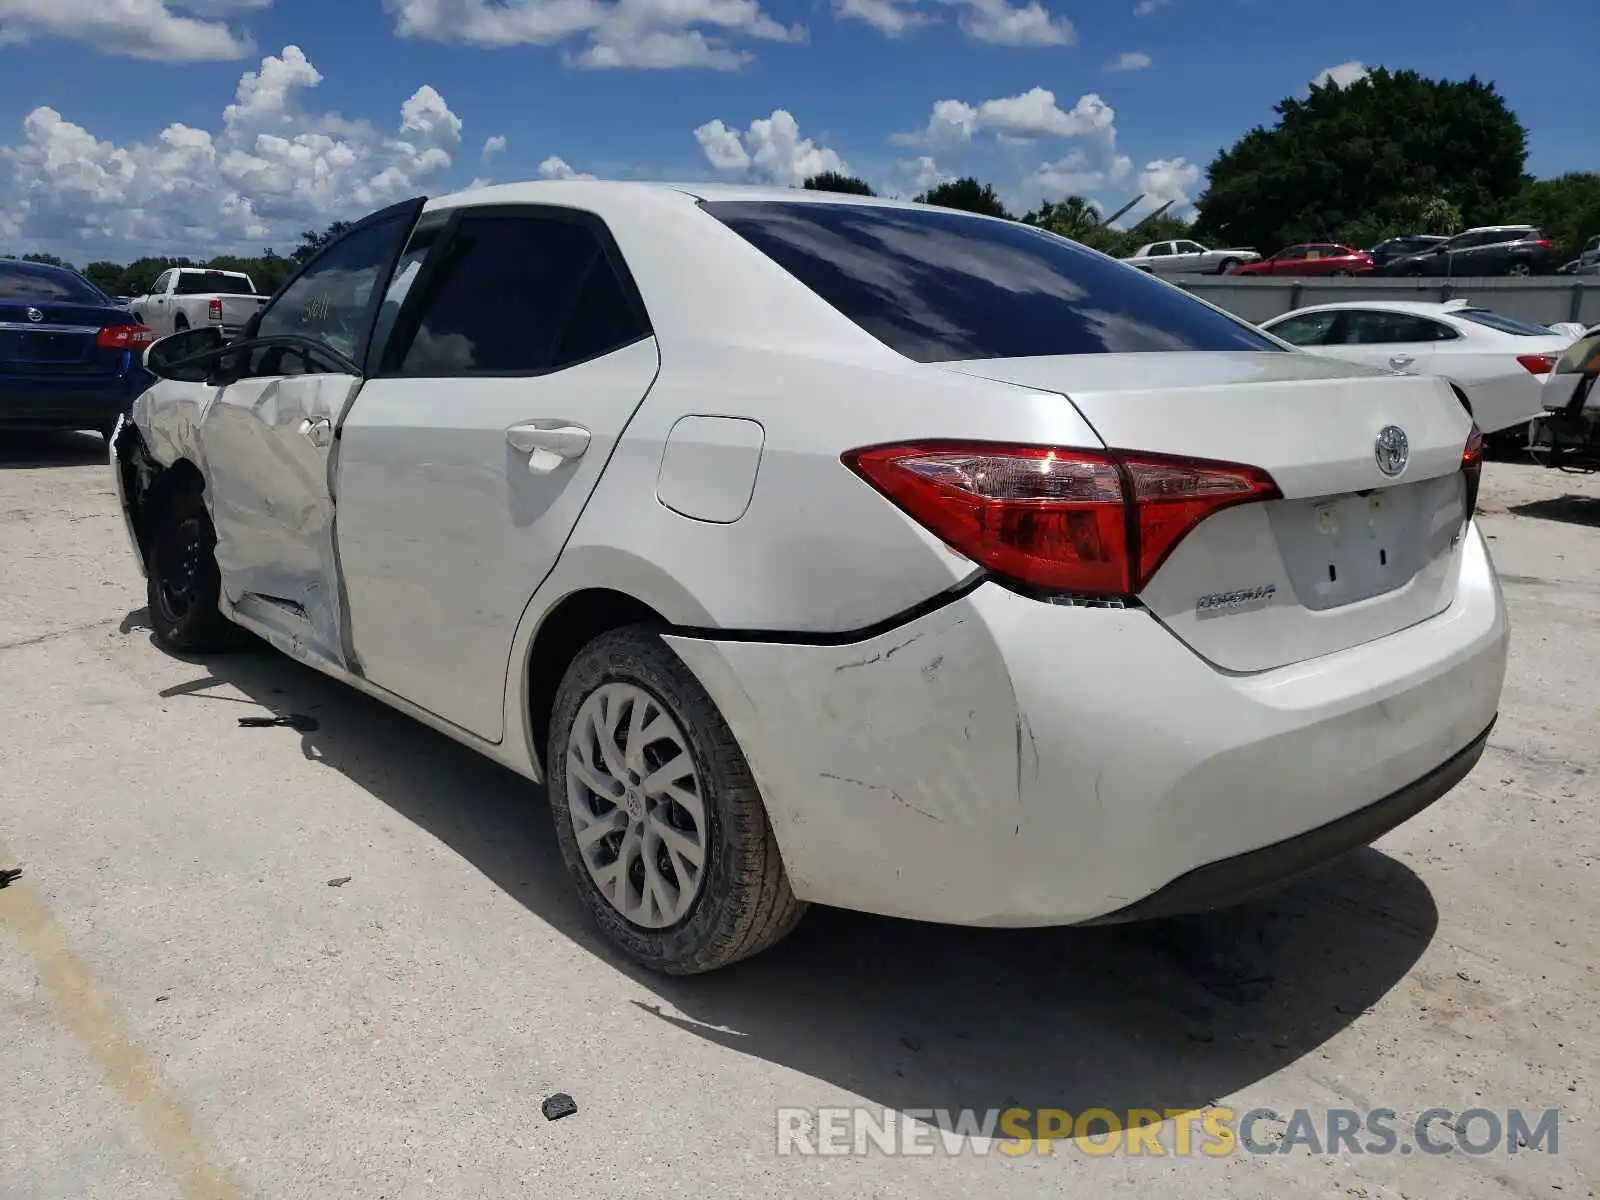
x=815, y=548
x=1497, y=364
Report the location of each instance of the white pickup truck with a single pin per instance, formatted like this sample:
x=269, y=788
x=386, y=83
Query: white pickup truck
x=189, y=297
x=1187, y=258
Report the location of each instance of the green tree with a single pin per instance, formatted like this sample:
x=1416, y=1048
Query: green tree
x=311, y=241
x=1364, y=153
x=1566, y=209
x=48, y=260
x=966, y=194
x=1074, y=217
x=835, y=181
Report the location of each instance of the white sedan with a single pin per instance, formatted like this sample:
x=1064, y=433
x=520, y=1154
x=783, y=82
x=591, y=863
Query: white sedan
x=812, y=548
x=1497, y=364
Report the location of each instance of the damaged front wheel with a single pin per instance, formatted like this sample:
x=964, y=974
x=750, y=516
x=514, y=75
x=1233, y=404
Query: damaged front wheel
x=183, y=580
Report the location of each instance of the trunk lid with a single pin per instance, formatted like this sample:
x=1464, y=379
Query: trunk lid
x=61, y=342
x=1348, y=555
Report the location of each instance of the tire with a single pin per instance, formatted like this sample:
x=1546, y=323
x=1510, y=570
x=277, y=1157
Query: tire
x=1338, y=274
x=182, y=580
x=1519, y=270
x=1227, y=265
x=740, y=902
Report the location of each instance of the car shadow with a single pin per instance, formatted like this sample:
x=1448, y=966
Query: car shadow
x=25, y=448
x=1164, y=1015
x=1569, y=509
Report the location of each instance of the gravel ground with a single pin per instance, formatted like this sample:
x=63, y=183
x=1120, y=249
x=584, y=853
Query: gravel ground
x=190, y=1009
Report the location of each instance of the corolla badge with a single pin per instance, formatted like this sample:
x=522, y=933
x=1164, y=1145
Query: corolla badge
x=35, y=315
x=1392, y=450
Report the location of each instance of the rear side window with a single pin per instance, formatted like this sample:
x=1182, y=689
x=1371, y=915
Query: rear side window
x=518, y=295
x=1505, y=324
x=24, y=282
x=1363, y=327
x=214, y=283
x=940, y=286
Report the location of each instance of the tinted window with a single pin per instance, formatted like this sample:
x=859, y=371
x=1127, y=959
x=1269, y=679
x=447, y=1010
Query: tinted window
x=1505, y=324
x=332, y=300
x=1160, y=249
x=1365, y=327
x=23, y=281
x=1191, y=248
x=1308, y=329
x=943, y=286
x=520, y=295
x=1292, y=254
x=201, y=283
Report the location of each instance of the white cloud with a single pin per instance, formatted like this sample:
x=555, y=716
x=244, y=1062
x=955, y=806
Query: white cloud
x=1002, y=24
x=267, y=170
x=922, y=173
x=771, y=150
x=492, y=147
x=558, y=168
x=1025, y=117
x=1145, y=7
x=644, y=34
x=1343, y=75
x=1129, y=60
x=1168, y=179
x=888, y=17
x=163, y=30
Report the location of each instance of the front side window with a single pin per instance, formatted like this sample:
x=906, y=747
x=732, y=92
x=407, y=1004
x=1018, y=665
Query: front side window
x=1363, y=327
x=940, y=286
x=159, y=288
x=518, y=295
x=331, y=301
x=1308, y=329
x=1292, y=254
x=1191, y=248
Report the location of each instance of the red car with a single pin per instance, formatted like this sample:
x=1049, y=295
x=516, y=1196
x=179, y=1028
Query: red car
x=1310, y=258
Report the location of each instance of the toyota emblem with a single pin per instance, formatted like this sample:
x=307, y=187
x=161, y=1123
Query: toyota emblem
x=35, y=315
x=1392, y=449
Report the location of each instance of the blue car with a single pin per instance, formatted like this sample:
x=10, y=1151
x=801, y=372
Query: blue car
x=70, y=357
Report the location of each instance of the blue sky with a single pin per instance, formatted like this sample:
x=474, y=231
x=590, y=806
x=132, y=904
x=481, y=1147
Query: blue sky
x=114, y=137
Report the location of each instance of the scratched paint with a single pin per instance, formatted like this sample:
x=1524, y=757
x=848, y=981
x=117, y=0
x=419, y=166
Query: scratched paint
x=186, y=1151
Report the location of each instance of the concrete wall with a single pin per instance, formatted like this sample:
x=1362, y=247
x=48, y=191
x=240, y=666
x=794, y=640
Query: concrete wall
x=1543, y=299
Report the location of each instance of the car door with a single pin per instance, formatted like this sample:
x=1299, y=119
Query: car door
x=1397, y=341
x=1189, y=257
x=520, y=353
x=1159, y=259
x=268, y=437
x=159, y=317
x=1289, y=261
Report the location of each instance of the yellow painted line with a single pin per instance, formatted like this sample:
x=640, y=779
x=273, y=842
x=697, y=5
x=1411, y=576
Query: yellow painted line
x=189, y=1155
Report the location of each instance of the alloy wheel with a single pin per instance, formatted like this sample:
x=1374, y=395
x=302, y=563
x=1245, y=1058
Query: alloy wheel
x=637, y=808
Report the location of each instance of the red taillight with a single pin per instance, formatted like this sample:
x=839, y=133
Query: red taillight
x=1090, y=522
x=214, y=309
x=125, y=337
x=1537, y=364
x=1472, y=466
x=1543, y=243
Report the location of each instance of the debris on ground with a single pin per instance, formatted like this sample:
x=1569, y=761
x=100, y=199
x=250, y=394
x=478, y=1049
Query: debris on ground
x=558, y=1106
x=297, y=721
x=340, y=881
x=9, y=875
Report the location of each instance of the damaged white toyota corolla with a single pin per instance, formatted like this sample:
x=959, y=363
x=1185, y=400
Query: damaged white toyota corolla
x=821, y=549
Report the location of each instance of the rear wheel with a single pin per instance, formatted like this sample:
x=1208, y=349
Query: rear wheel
x=1520, y=269
x=1227, y=265
x=657, y=814
x=182, y=580
x=1336, y=274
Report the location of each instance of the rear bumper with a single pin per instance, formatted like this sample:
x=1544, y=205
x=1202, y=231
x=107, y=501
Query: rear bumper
x=1004, y=761
x=44, y=402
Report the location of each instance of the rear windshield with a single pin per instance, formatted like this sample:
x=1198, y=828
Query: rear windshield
x=20, y=281
x=1505, y=324
x=213, y=283
x=942, y=286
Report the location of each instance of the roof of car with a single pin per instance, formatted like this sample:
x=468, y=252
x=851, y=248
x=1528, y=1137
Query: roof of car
x=598, y=191
x=1424, y=308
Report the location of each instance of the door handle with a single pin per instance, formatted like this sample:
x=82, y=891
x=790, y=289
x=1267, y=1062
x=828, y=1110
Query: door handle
x=548, y=445
x=1401, y=361
x=318, y=431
